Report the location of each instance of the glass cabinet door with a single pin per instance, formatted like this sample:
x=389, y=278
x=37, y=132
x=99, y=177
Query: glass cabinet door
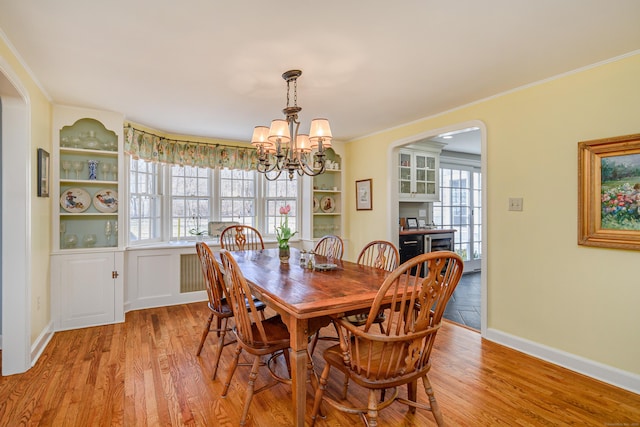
x=404, y=173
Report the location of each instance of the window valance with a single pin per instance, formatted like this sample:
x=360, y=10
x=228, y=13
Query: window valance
x=147, y=146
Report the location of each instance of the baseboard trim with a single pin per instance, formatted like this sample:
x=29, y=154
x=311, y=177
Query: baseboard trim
x=41, y=343
x=599, y=371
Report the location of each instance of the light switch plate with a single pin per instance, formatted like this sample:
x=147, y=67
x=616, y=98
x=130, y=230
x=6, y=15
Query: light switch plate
x=515, y=203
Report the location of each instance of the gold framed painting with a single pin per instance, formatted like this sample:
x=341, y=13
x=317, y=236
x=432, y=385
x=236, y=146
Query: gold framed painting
x=609, y=192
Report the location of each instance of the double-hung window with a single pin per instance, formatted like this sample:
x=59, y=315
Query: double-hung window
x=237, y=201
x=144, y=202
x=190, y=200
x=277, y=194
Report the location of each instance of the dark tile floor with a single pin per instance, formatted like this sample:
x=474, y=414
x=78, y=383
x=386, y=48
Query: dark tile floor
x=464, y=305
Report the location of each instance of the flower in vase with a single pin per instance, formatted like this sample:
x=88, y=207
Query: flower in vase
x=283, y=233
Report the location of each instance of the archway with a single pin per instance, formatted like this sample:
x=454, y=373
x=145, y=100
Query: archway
x=15, y=219
x=392, y=188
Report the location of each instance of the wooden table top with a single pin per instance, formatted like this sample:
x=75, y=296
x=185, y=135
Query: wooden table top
x=307, y=294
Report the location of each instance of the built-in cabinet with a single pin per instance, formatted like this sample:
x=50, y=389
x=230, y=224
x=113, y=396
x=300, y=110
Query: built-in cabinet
x=418, y=177
x=327, y=198
x=87, y=289
x=87, y=257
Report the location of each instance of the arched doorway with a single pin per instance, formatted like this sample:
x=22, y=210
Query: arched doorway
x=392, y=188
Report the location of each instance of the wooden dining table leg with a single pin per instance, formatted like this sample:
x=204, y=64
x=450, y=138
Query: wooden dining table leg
x=298, y=329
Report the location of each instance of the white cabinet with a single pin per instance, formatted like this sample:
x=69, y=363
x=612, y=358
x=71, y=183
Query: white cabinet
x=87, y=277
x=418, y=175
x=87, y=289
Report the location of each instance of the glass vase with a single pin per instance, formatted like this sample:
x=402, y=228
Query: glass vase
x=284, y=254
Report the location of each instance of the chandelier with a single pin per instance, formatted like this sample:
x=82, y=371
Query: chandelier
x=281, y=148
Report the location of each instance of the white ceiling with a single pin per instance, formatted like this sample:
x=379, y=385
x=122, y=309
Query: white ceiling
x=213, y=68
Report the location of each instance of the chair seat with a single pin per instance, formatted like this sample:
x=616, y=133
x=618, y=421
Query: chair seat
x=360, y=319
x=277, y=332
x=393, y=369
x=226, y=308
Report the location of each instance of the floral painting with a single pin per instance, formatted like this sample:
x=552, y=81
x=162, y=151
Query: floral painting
x=620, y=188
x=609, y=192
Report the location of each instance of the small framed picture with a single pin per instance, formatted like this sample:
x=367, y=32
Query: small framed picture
x=363, y=195
x=412, y=223
x=422, y=223
x=43, y=173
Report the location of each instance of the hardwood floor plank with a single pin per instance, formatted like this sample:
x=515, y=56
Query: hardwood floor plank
x=145, y=373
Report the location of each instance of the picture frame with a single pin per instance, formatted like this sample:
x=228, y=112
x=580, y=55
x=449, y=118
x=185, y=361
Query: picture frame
x=43, y=173
x=412, y=223
x=609, y=192
x=363, y=195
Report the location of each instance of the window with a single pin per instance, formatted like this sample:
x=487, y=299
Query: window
x=238, y=196
x=190, y=200
x=279, y=193
x=144, y=201
x=460, y=208
x=170, y=201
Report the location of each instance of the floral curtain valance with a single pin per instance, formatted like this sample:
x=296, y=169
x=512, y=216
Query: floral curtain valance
x=153, y=148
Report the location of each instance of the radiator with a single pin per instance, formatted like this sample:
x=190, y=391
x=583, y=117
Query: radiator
x=191, y=278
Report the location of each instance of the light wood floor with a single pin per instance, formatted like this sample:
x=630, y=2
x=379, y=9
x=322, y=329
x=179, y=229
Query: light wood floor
x=145, y=373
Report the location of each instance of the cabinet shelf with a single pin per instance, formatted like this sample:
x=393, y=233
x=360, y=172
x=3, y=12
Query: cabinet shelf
x=88, y=214
x=85, y=151
x=87, y=182
x=326, y=213
x=328, y=191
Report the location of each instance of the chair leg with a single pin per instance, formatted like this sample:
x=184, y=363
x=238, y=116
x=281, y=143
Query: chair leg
x=372, y=413
x=232, y=370
x=345, y=386
x=222, y=331
x=435, y=409
x=218, y=325
x=204, y=334
x=314, y=342
x=412, y=394
x=250, y=389
x=319, y=392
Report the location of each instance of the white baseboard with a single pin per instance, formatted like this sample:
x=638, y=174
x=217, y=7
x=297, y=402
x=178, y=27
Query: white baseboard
x=610, y=375
x=41, y=343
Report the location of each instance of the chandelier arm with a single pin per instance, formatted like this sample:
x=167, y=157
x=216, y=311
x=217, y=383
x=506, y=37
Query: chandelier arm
x=266, y=175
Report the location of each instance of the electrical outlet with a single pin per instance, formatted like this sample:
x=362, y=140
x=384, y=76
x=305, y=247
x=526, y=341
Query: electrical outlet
x=515, y=203
x=38, y=303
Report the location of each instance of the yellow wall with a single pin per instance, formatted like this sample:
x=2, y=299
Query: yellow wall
x=542, y=286
x=40, y=224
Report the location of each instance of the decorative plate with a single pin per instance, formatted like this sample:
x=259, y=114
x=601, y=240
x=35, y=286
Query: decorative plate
x=316, y=204
x=325, y=266
x=75, y=200
x=106, y=201
x=327, y=204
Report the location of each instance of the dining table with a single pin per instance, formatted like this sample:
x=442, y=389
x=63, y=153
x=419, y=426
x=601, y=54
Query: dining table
x=307, y=299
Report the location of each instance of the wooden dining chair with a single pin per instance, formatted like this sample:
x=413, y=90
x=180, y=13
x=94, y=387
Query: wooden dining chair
x=218, y=303
x=257, y=336
x=241, y=238
x=379, y=254
x=330, y=246
x=401, y=355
